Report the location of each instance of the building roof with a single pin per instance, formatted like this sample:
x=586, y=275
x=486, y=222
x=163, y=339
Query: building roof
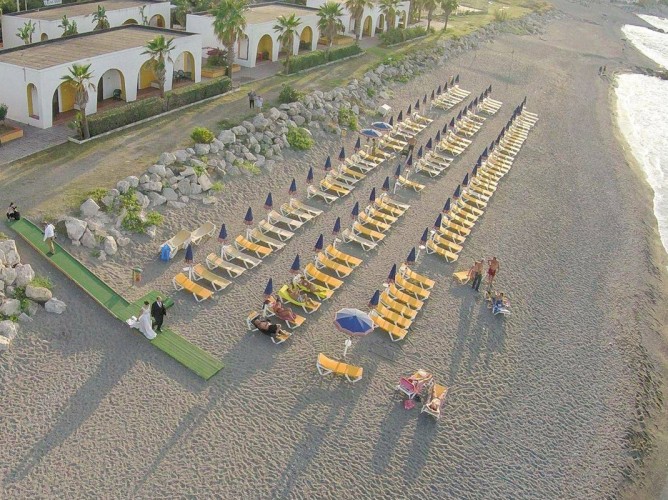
x=56, y=12
x=269, y=12
x=86, y=45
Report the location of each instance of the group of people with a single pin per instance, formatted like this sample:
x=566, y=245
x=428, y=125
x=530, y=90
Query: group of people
x=478, y=269
x=422, y=380
x=13, y=212
x=255, y=100
x=151, y=316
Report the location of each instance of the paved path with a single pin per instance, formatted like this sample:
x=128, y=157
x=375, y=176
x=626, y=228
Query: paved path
x=34, y=140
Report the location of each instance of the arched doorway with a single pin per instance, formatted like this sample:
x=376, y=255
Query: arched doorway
x=64, y=99
x=157, y=21
x=380, y=25
x=31, y=94
x=184, y=67
x=130, y=21
x=44, y=37
x=402, y=20
x=265, y=48
x=146, y=75
x=306, y=39
x=111, y=85
x=366, y=29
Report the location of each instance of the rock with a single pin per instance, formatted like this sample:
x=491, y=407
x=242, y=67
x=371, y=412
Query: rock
x=175, y=204
x=109, y=245
x=190, y=151
x=167, y=159
x=157, y=199
x=188, y=172
x=250, y=157
x=274, y=114
x=195, y=189
x=10, y=290
x=209, y=200
x=202, y=149
x=102, y=256
x=154, y=186
x=299, y=120
x=123, y=186
x=10, y=307
x=8, y=275
x=133, y=180
x=88, y=240
x=181, y=155
x=24, y=318
x=151, y=231
x=89, y=208
x=8, y=329
x=75, y=228
x=10, y=256
x=184, y=199
x=260, y=161
x=232, y=169
x=143, y=200
x=239, y=130
x=184, y=187
x=122, y=241
x=269, y=165
x=227, y=137
x=158, y=170
x=55, y=306
x=32, y=308
x=204, y=182
x=170, y=194
x=38, y=293
x=260, y=123
x=24, y=274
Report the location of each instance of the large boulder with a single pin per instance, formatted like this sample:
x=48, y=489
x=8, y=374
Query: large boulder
x=8, y=329
x=110, y=247
x=8, y=275
x=55, y=306
x=260, y=123
x=170, y=194
x=204, y=182
x=239, y=130
x=11, y=255
x=123, y=186
x=4, y=343
x=75, y=228
x=24, y=274
x=167, y=159
x=89, y=208
x=202, y=149
x=158, y=170
x=155, y=186
x=184, y=187
x=88, y=239
x=181, y=155
x=10, y=307
x=38, y=293
x=227, y=137
x=157, y=199
x=133, y=180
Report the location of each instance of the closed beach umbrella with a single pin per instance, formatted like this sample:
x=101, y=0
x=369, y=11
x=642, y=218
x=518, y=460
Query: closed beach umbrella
x=294, y=269
x=409, y=110
x=342, y=154
x=189, y=260
x=445, y=128
x=319, y=244
x=485, y=154
x=337, y=226
x=410, y=260
x=446, y=206
x=353, y=322
x=479, y=162
x=400, y=118
x=457, y=79
x=293, y=187
x=492, y=145
x=393, y=274
x=424, y=99
x=372, y=196
x=438, y=221
x=459, y=117
x=465, y=182
x=269, y=202
x=309, y=176
x=432, y=95
x=417, y=105
x=445, y=87
x=409, y=162
x=269, y=289
x=328, y=162
x=386, y=184
x=375, y=298
x=429, y=145
x=458, y=192
x=452, y=124
x=452, y=80
x=222, y=235
x=438, y=137
x=355, y=211
x=438, y=91
x=420, y=152
x=248, y=220
x=371, y=133
x=382, y=126
x=397, y=172
x=474, y=172
x=391, y=122
x=424, y=237
x=358, y=144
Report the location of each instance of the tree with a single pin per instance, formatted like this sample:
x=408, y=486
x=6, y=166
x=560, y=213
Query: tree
x=286, y=27
x=159, y=49
x=229, y=25
x=100, y=18
x=3, y=113
x=430, y=7
x=448, y=6
x=389, y=9
x=330, y=20
x=69, y=27
x=26, y=31
x=79, y=78
x=415, y=10
x=356, y=9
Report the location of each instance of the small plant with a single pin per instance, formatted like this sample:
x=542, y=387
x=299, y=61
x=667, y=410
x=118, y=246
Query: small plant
x=347, y=118
x=289, y=94
x=3, y=236
x=153, y=219
x=20, y=295
x=77, y=124
x=370, y=92
x=3, y=113
x=500, y=15
x=299, y=138
x=217, y=58
x=96, y=195
x=96, y=253
x=202, y=135
x=132, y=222
x=199, y=170
x=217, y=186
x=248, y=166
x=225, y=124
x=42, y=281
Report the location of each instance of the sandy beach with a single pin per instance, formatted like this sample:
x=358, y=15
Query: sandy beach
x=552, y=402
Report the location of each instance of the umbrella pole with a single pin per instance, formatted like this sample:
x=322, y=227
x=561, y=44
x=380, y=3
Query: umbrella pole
x=347, y=345
x=419, y=249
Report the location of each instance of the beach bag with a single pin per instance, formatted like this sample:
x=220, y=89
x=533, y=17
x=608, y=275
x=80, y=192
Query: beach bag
x=164, y=253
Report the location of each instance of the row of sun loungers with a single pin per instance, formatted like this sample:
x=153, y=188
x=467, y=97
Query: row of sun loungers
x=372, y=223
x=181, y=239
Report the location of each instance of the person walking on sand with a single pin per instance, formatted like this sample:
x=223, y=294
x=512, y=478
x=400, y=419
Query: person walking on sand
x=49, y=237
x=251, y=99
x=492, y=270
x=158, y=311
x=476, y=271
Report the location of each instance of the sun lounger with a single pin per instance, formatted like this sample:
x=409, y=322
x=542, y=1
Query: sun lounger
x=393, y=317
x=454, y=226
x=260, y=251
x=396, y=333
x=378, y=156
x=337, y=182
x=214, y=262
x=464, y=211
x=347, y=235
x=402, y=296
x=206, y=230
x=284, y=218
x=378, y=225
x=217, y=283
x=341, y=270
x=257, y=236
x=440, y=392
x=177, y=242
x=181, y=282
x=432, y=247
x=337, y=254
x=319, y=291
x=352, y=173
x=418, y=279
x=305, y=208
x=462, y=277
x=331, y=187
x=327, y=366
x=309, y=306
x=341, y=178
x=268, y=228
x=445, y=232
x=394, y=203
x=386, y=143
x=231, y=253
x=415, y=186
x=423, y=167
x=480, y=191
x=279, y=338
x=385, y=207
x=312, y=273
x=312, y=192
x=472, y=204
x=411, y=288
x=414, y=385
x=447, y=244
x=418, y=118
x=367, y=232
x=459, y=220
x=375, y=213
x=296, y=322
x=398, y=307
x=359, y=164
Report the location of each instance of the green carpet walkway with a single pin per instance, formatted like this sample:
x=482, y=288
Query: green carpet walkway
x=168, y=341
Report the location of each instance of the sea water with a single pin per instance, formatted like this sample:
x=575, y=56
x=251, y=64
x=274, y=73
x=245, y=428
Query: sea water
x=642, y=111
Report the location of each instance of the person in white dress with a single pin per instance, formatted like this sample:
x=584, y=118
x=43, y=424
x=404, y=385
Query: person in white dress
x=144, y=323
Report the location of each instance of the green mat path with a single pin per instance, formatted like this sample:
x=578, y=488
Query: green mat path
x=168, y=341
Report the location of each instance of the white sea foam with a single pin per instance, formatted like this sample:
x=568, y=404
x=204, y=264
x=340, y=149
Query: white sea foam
x=657, y=22
x=642, y=108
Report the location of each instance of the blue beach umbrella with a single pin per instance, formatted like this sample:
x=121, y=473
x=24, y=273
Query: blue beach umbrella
x=400, y=118
x=479, y=162
x=294, y=269
x=189, y=254
x=319, y=244
x=355, y=211
x=452, y=124
x=445, y=87
x=337, y=226
x=375, y=298
x=328, y=162
x=391, y=122
x=438, y=221
x=424, y=237
x=445, y=128
x=438, y=136
x=358, y=144
x=393, y=274
x=452, y=80
x=438, y=91
x=417, y=105
x=293, y=187
x=459, y=117
x=409, y=162
x=409, y=110
x=269, y=202
x=410, y=260
x=446, y=206
x=353, y=322
x=309, y=176
x=269, y=289
x=465, y=182
x=432, y=95
x=371, y=133
x=492, y=145
x=457, y=78
x=424, y=99
x=248, y=220
x=397, y=172
x=429, y=145
x=458, y=192
x=485, y=154
x=342, y=154
x=222, y=235
x=386, y=184
x=474, y=172
x=420, y=152
x=372, y=196
x=382, y=126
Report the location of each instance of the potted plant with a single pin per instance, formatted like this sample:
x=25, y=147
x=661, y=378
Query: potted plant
x=7, y=132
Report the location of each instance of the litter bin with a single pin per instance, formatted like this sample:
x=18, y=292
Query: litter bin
x=136, y=275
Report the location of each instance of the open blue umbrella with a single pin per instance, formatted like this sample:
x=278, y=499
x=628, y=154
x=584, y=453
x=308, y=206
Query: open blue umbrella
x=429, y=145
x=408, y=111
x=319, y=244
x=420, y=152
x=269, y=202
x=446, y=206
x=371, y=133
x=432, y=95
x=328, y=163
x=393, y=274
x=358, y=144
x=458, y=192
x=438, y=137
x=386, y=184
x=269, y=289
x=356, y=211
x=465, y=182
x=342, y=154
x=248, y=220
x=397, y=172
x=372, y=196
x=410, y=260
x=391, y=121
x=438, y=222
x=400, y=118
x=222, y=235
x=309, y=176
x=375, y=298
x=337, y=226
x=294, y=269
x=353, y=322
x=382, y=126
x=438, y=91
x=293, y=187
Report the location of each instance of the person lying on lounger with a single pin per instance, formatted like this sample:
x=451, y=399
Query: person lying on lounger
x=420, y=377
x=266, y=327
x=298, y=296
x=303, y=284
x=282, y=312
x=434, y=402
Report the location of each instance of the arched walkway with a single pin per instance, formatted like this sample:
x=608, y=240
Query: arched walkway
x=366, y=29
x=129, y=21
x=63, y=99
x=306, y=39
x=380, y=25
x=44, y=37
x=157, y=21
x=265, y=48
x=146, y=75
x=184, y=67
x=33, y=101
x=111, y=85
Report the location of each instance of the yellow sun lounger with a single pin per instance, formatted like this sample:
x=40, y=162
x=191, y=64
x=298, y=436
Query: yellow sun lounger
x=401, y=296
x=362, y=230
x=276, y=339
x=378, y=225
x=231, y=253
x=352, y=173
x=206, y=230
x=397, y=306
x=312, y=273
x=259, y=250
x=268, y=228
x=339, y=269
x=177, y=242
x=411, y=288
x=393, y=317
x=181, y=282
x=218, y=283
x=416, y=278
x=452, y=225
x=462, y=277
x=415, y=186
x=347, y=236
x=394, y=203
x=312, y=192
x=385, y=207
x=309, y=306
x=295, y=323
x=447, y=244
x=320, y=291
x=284, y=217
x=440, y=392
x=330, y=187
x=327, y=366
x=432, y=247
x=305, y=208
x=396, y=333
x=257, y=236
x=449, y=235
x=337, y=254
x=214, y=262
x=375, y=213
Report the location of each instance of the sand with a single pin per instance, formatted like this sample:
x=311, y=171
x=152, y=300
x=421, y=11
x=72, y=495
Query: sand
x=543, y=404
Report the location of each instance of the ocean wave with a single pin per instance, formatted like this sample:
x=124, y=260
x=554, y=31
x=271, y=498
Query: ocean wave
x=657, y=22
x=651, y=43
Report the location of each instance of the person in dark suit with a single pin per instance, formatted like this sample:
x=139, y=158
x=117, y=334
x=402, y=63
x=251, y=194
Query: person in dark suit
x=158, y=311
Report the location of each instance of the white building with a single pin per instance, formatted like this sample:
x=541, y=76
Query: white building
x=31, y=82
x=119, y=13
x=373, y=19
x=260, y=42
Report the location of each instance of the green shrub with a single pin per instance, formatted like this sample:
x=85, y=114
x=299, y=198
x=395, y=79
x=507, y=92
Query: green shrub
x=249, y=166
x=202, y=135
x=199, y=170
x=343, y=52
x=132, y=222
x=299, y=138
x=197, y=92
x=42, y=281
x=398, y=35
x=129, y=202
x=289, y=94
x=370, y=92
x=153, y=219
x=3, y=112
x=347, y=118
x=319, y=57
x=500, y=15
x=20, y=295
x=96, y=194
x=217, y=186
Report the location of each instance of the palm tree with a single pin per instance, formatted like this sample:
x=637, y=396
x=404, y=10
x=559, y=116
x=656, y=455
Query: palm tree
x=100, y=18
x=160, y=49
x=330, y=20
x=356, y=9
x=415, y=10
x=80, y=78
x=448, y=6
x=389, y=8
x=69, y=27
x=229, y=25
x=26, y=31
x=286, y=27
x=430, y=7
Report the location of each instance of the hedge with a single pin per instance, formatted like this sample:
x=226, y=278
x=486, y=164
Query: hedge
x=398, y=35
x=152, y=106
x=320, y=57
